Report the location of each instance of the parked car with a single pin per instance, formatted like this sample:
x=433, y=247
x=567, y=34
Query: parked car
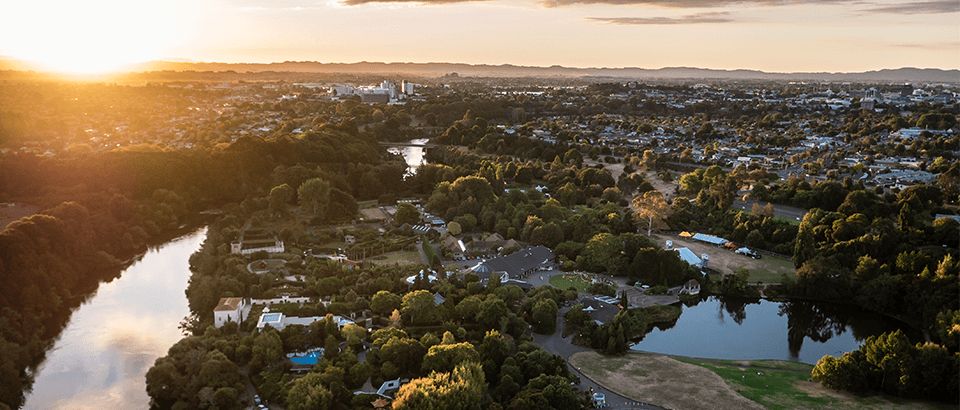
x=748, y=252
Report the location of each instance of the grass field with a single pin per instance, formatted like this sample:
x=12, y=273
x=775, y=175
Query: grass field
x=725, y=384
x=771, y=269
x=776, y=218
x=403, y=258
x=568, y=280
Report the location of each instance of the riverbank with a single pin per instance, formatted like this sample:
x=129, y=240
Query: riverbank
x=691, y=383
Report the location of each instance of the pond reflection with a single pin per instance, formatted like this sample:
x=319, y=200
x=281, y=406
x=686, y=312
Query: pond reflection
x=734, y=328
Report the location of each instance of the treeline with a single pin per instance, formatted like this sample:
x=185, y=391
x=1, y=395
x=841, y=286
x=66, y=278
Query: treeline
x=889, y=363
x=103, y=206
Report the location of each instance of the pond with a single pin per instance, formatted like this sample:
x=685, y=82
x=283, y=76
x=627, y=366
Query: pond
x=736, y=329
x=101, y=358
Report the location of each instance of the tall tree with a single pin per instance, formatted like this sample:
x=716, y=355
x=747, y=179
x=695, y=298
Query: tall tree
x=651, y=208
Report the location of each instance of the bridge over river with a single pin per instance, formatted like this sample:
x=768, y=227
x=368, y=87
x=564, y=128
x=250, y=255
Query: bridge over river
x=408, y=144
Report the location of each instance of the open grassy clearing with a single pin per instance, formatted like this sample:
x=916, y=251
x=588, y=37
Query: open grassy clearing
x=776, y=218
x=784, y=389
x=567, y=280
x=695, y=384
x=771, y=270
x=402, y=258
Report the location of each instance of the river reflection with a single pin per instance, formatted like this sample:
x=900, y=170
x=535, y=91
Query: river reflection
x=412, y=155
x=731, y=328
x=112, y=339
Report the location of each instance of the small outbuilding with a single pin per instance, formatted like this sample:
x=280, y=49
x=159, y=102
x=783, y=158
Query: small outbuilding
x=692, y=287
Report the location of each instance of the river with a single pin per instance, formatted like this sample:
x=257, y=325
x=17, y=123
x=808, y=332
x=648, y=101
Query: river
x=102, y=356
x=413, y=155
x=800, y=331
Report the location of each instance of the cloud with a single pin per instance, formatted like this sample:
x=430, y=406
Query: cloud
x=361, y=2
x=699, y=18
x=918, y=7
x=946, y=45
x=691, y=3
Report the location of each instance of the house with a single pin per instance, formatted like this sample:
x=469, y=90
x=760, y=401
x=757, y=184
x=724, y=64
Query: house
x=350, y=239
x=454, y=245
x=692, y=287
x=278, y=320
x=229, y=310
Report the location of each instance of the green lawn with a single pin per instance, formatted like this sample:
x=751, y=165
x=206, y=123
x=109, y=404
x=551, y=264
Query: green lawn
x=567, y=280
x=778, y=389
x=775, y=268
x=776, y=218
x=403, y=257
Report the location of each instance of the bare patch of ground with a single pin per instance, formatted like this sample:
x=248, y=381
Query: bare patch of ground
x=373, y=213
x=668, y=189
x=661, y=380
x=723, y=260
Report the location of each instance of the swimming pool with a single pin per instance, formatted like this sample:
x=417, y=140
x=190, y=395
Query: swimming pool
x=270, y=317
x=310, y=358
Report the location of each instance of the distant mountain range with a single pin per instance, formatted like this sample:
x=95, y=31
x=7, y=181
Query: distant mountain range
x=912, y=75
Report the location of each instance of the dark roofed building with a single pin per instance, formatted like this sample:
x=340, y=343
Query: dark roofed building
x=517, y=263
x=599, y=311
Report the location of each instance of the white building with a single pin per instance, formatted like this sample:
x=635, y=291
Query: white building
x=229, y=310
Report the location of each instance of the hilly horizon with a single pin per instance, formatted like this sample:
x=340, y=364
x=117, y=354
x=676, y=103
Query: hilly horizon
x=438, y=69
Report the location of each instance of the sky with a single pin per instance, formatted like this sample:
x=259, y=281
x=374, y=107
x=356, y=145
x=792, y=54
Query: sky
x=767, y=35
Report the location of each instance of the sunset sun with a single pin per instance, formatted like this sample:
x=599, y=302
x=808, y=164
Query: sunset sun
x=90, y=37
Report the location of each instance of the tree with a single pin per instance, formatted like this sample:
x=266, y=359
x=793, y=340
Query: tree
x=385, y=302
x=418, y=306
x=545, y=316
x=454, y=228
x=341, y=206
x=445, y=357
x=649, y=159
x=312, y=196
x=651, y=207
x=407, y=214
x=280, y=196
x=308, y=393
x=460, y=389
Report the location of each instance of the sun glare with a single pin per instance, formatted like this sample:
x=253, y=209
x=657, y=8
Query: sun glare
x=87, y=37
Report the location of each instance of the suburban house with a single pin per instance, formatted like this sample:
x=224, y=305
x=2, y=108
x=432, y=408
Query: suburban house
x=253, y=240
x=278, y=320
x=229, y=310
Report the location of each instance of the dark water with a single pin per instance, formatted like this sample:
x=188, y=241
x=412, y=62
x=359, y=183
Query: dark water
x=798, y=331
x=103, y=354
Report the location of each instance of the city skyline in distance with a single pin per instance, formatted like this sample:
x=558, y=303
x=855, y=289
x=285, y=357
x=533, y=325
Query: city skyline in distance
x=763, y=35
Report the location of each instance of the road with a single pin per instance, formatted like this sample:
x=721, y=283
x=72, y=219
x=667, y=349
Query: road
x=783, y=211
x=559, y=345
